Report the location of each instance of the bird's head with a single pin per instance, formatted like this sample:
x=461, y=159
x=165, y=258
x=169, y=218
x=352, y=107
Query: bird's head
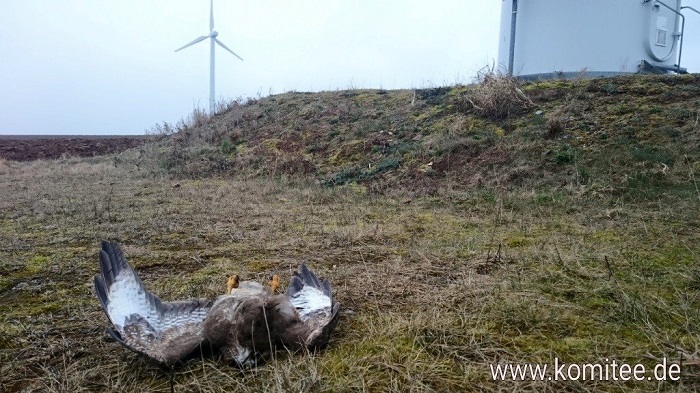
x=232, y=283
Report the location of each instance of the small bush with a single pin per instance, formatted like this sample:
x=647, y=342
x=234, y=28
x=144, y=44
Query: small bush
x=556, y=122
x=496, y=96
x=227, y=147
x=566, y=155
x=357, y=174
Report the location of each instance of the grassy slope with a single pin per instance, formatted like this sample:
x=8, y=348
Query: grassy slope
x=452, y=240
x=610, y=127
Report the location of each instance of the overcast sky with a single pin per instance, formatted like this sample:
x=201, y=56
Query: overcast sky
x=98, y=67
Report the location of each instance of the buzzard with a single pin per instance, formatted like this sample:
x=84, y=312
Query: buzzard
x=245, y=325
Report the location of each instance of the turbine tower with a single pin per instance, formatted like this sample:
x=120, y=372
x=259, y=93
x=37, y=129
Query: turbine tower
x=212, y=35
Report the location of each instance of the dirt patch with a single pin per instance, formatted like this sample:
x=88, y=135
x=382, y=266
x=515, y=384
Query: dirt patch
x=27, y=148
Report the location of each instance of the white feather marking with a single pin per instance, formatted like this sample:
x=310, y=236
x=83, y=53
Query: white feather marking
x=243, y=357
x=310, y=301
x=126, y=297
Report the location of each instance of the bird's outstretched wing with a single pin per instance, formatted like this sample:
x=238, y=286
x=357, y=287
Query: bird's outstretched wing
x=306, y=314
x=164, y=331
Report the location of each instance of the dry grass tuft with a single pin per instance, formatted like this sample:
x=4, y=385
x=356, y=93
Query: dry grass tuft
x=4, y=166
x=496, y=96
x=556, y=123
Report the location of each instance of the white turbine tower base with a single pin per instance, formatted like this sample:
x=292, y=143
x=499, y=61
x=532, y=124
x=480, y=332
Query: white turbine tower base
x=212, y=35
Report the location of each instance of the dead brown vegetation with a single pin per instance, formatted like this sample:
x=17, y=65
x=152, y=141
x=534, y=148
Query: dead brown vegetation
x=496, y=96
x=452, y=241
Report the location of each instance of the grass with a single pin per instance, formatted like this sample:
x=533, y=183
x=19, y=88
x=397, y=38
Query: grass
x=456, y=242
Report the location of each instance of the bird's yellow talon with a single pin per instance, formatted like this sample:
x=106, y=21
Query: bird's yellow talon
x=232, y=283
x=274, y=282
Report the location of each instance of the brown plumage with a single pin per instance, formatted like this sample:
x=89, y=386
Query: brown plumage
x=244, y=325
x=252, y=321
x=306, y=314
x=163, y=331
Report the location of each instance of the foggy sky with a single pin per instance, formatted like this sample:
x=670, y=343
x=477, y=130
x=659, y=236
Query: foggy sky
x=98, y=67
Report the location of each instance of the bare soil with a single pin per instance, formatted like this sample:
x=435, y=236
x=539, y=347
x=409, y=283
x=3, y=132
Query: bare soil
x=33, y=147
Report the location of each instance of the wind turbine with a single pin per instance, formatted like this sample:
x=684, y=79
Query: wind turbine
x=212, y=34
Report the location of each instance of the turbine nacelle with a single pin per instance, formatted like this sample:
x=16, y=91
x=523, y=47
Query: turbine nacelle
x=213, y=34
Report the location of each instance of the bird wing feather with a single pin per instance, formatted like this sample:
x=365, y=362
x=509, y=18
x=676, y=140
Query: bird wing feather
x=163, y=331
x=313, y=313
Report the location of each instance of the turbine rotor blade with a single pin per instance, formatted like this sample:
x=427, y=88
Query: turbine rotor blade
x=196, y=40
x=226, y=47
x=211, y=16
